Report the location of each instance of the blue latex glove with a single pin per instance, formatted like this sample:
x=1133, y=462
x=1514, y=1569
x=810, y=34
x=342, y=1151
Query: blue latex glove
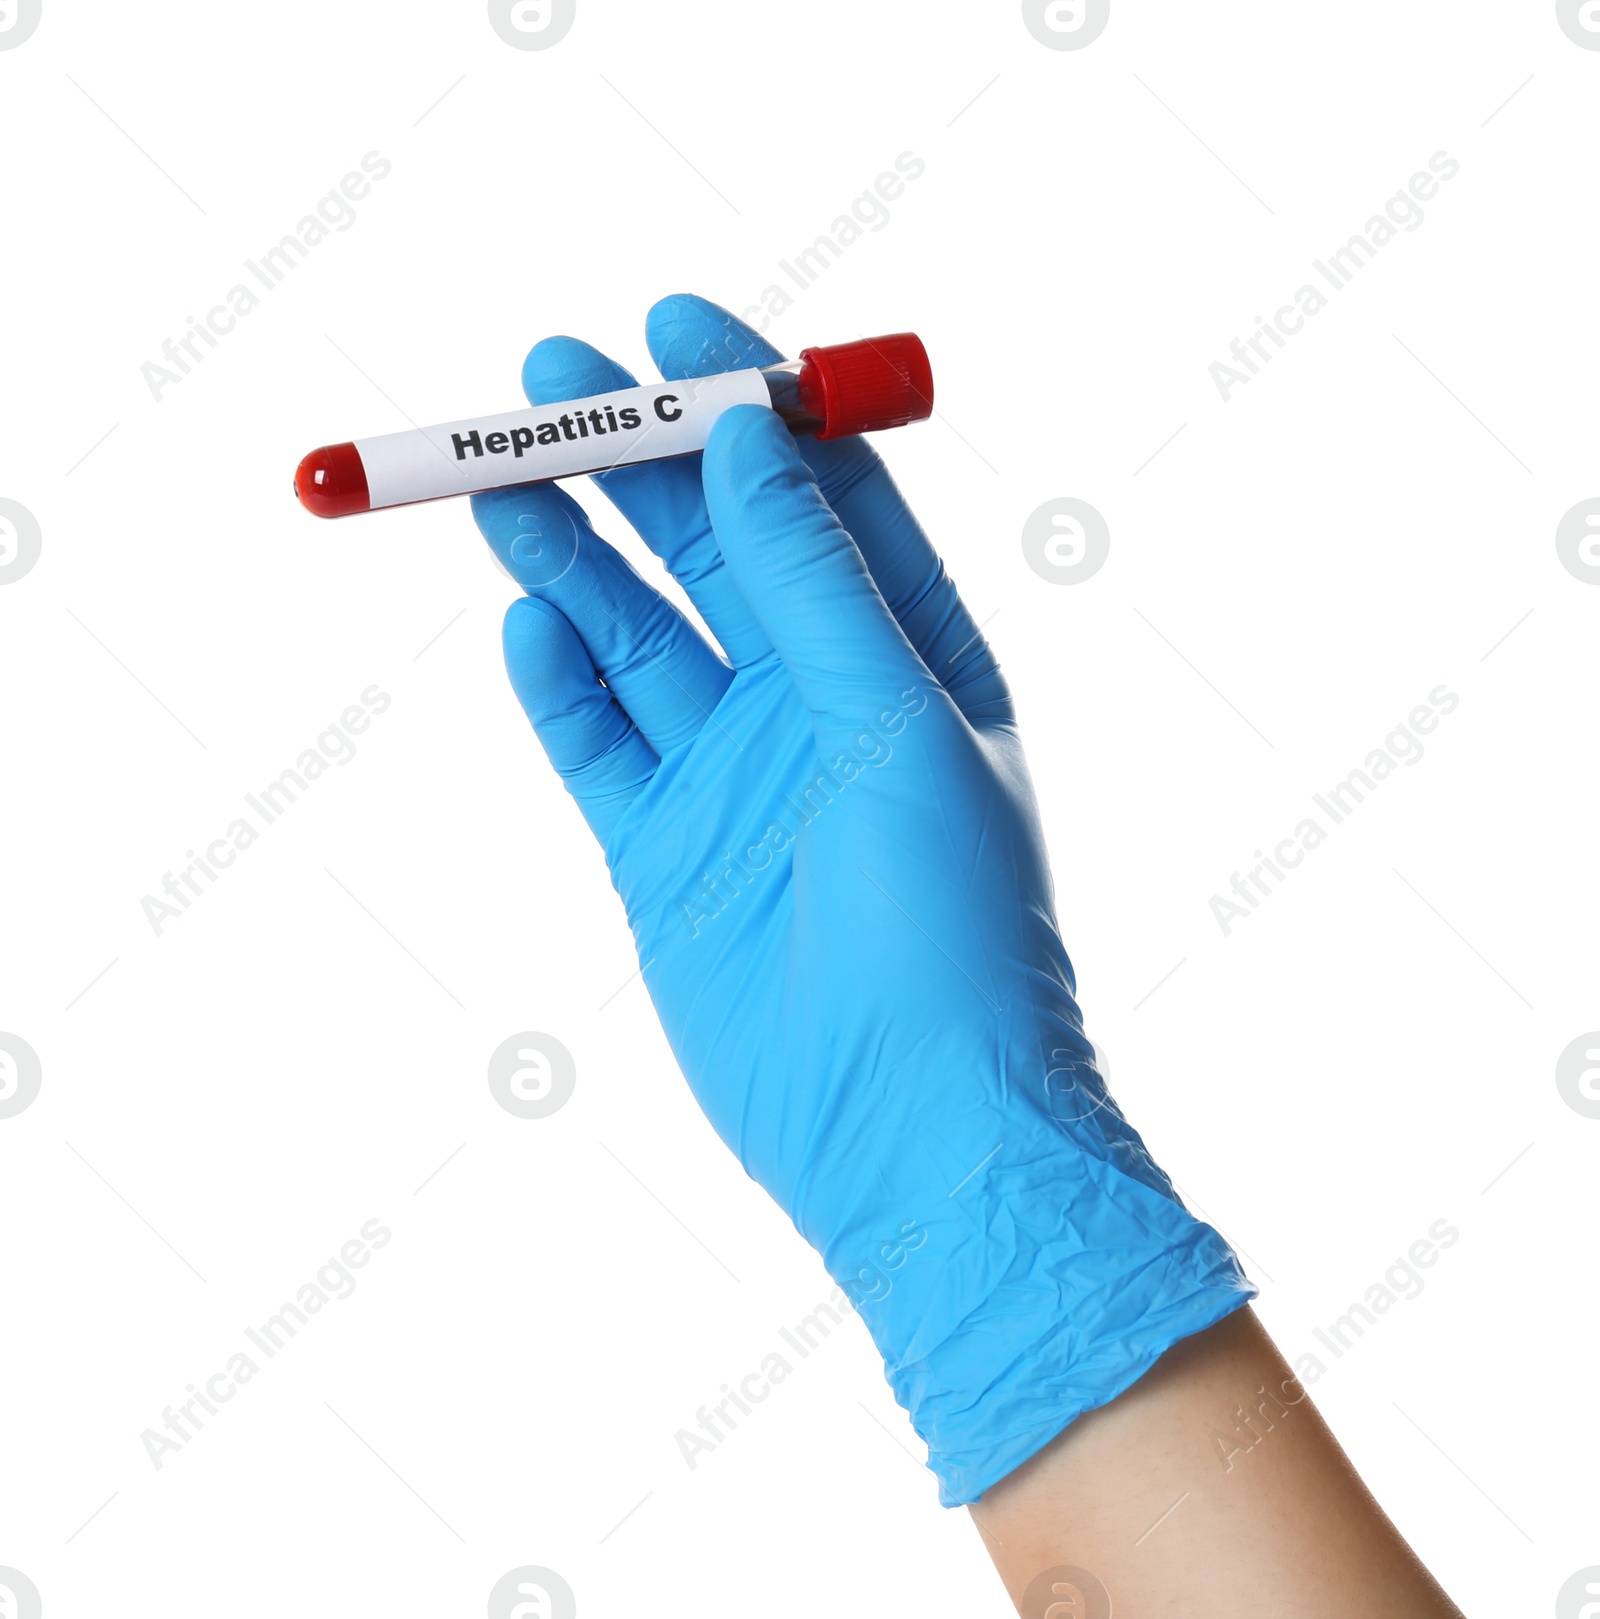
x=834, y=871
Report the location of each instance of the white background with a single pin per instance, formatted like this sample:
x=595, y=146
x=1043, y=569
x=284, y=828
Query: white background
x=1372, y=516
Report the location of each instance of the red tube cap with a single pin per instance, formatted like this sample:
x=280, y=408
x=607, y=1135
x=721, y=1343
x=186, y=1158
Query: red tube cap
x=863, y=387
x=331, y=482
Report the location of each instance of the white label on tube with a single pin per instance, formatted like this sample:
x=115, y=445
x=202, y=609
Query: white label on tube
x=555, y=441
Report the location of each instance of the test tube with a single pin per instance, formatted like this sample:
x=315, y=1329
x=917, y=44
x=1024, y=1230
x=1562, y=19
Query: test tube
x=829, y=392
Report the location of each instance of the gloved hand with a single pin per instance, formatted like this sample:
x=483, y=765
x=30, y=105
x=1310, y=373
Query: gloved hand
x=834, y=871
